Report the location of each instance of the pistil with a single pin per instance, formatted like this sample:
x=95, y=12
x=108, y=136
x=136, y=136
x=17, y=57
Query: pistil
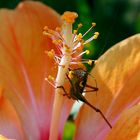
x=69, y=44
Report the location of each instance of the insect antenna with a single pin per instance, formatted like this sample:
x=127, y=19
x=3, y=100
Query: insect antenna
x=95, y=82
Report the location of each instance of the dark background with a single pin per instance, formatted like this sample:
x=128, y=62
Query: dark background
x=116, y=19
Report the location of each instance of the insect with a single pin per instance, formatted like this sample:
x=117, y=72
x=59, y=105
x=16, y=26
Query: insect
x=78, y=81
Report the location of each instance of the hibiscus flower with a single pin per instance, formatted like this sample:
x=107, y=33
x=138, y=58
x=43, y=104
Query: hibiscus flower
x=33, y=109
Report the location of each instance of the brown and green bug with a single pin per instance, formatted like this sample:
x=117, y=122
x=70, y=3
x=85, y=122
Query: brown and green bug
x=78, y=81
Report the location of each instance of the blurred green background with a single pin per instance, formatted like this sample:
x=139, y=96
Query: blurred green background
x=116, y=20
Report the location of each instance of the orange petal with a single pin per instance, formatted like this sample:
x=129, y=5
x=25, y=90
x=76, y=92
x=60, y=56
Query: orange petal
x=128, y=126
x=22, y=44
x=24, y=65
x=115, y=71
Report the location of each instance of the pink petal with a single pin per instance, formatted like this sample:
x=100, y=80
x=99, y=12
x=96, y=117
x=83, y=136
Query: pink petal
x=4, y=138
x=9, y=122
x=24, y=65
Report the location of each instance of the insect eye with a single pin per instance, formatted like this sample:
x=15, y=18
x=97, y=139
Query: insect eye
x=81, y=84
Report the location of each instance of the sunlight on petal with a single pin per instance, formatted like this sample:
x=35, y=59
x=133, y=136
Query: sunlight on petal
x=115, y=71
x=4, y=138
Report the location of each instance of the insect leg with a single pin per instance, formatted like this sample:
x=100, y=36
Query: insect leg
x=99, y=111
x=65, y=92
x=83, y=99
x=93, y=88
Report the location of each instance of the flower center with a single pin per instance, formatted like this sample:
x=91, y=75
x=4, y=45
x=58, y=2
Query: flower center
x=69, y=43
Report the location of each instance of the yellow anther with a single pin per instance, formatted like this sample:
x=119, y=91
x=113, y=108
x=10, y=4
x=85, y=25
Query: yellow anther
x=95, y=36
x=70, y=75
x=57, y=42
x=50, y=78
x=58, y=29
x=96, y=33
x=87, y=52
x=90, y=62
x=50, y=53
x=80, y=25
x=46, y=28
x=93, y=24
x=75, y=31
x=47, y=34
x=79, y=37
x=69, y=17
